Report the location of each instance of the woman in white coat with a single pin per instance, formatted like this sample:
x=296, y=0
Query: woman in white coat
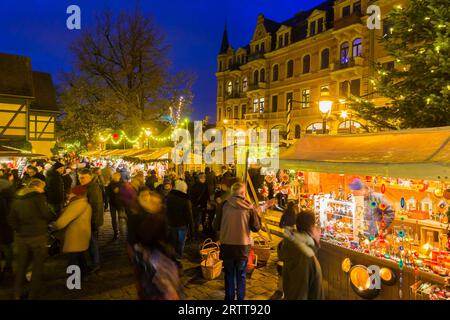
x=76, y=220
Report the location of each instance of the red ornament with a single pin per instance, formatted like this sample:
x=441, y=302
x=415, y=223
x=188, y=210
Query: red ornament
x=115, y=136
x=383, y=188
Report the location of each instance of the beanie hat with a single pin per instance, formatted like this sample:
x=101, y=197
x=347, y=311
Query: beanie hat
x=357, y=184
x=57, y=165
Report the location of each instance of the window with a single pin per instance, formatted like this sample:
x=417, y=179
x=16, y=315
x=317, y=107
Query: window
x=344, y=53
x=239, y=60
x=357, y=47
x=257, y=48
x=280, y=41
x=219, y=114
x=229, y=115
x=230, y=62
x=275, y=73
x=286, y=39
x=306, y=98
x=261, y=105
x=388, y=65
x=357, y=7
x=255, y=105
x=325, y=59
x=312, y=28
x=289, y=96
x=320, y=25
x=255, y=77
x=229, y=88
x=343, y=89
x=346, y=11
x=355, y=87
x=349, y=126
x=243, y=110
x=297, y=132
x=220, y=66
x=306, y=63
x=244, y=84
x=236, y=112
x=290, y=69
x=262, y=75
x=274, y=103
x=220, y=90
x=236, y=86
x=387, y=30
x=263, y=47
x=316, y=128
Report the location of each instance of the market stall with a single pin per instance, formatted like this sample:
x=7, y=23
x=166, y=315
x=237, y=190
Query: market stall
x=16, y=159
x=406, y=172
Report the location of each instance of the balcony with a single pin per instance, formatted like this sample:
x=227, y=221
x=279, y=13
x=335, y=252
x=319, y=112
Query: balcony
x=254, y=115
x=255, y=56
x=234, y=95
x=352, y=62
x=354, y=18
x=257, y=86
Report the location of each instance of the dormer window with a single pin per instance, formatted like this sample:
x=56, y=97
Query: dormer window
x=312, y=28
x=286, y=39
x=280, y=42
x=320, y=25
x=263, y=47
x=257, y=48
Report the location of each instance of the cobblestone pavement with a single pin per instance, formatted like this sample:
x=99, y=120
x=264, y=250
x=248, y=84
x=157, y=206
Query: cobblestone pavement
x=115, y=280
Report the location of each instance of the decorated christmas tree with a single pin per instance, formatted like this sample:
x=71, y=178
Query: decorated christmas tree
x=418, y=85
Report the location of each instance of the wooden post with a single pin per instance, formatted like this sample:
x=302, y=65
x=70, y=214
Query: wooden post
x=263, y=218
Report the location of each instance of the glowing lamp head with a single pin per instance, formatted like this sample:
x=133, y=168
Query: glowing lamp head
x=325, y=106
x=344, y=114
x=147, y=132
x=225, y=121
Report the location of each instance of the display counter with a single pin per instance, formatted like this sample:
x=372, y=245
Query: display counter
x=337, y=284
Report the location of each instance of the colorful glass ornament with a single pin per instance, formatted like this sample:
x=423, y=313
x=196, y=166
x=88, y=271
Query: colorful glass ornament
x=402, y=203
x=373, y=204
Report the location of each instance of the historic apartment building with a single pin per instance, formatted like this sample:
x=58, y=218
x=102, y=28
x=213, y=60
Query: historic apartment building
x=327, y=52
x=28, y=106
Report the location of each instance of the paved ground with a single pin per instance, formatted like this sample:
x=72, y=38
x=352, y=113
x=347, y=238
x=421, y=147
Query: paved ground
x=115, y=281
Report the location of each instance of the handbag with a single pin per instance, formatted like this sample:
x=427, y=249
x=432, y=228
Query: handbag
x=54, y=246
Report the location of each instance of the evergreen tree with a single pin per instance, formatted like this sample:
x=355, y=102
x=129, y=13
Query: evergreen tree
x=419, y=84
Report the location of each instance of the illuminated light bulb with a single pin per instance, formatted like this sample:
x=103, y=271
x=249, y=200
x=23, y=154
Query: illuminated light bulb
x=437, y=48
x=427, y=18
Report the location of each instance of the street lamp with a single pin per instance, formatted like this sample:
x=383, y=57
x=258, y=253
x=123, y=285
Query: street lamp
x=325, y=105
x=347, y=115
x=148, y=133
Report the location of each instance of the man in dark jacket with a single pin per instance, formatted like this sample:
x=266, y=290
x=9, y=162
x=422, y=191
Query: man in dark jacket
x=32, y=172
x=235, y=221
x=210, y=180
x=55, y=188
x=179, y=216
x=95, y=199
x=6, y=233
x=115, y=204
x=151, y=180
x=199, y=197
x=29, y=218
x=302, y=275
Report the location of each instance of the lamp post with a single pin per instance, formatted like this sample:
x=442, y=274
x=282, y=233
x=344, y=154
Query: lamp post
x=325, y=105
x=148, y=133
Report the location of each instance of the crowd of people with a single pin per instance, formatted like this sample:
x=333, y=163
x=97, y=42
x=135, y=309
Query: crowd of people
x=162, y=213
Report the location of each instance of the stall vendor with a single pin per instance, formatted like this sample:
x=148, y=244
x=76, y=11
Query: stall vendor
x=372, y=210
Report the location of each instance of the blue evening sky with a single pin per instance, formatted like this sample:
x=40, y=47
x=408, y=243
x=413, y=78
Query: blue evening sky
x=37, y=28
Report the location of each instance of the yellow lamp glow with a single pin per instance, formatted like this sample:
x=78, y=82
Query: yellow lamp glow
x=325, y=106
x=344, y=114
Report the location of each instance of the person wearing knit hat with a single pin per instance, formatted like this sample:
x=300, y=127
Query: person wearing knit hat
x=179, y=216
x=373, y=214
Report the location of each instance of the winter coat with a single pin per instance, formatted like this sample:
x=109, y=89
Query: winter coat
x=199, y=195
x=114, y=197
x=95, y=199
x=67, y=183
x=150, y=181
x=6, y=196
x=235, y=221
x=179, y=210
x=287, y=219
x=76, y=218
x=302, y=275
x=30, y=214
x=211, y=183
x=54, y=187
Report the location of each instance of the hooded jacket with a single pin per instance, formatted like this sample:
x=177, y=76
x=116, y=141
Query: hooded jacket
x=235, y=221
x=76, y=218
x=6, y=196
x=302, y=275
x=179, y=210
x=30, y=214
x=54, y=187
x=95, y=199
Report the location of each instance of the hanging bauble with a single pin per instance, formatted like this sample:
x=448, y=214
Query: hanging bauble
x=438, y=192
x=115, y=136
x=447, y=193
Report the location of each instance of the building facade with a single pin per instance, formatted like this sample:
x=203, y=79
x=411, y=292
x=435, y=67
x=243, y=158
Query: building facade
x=279, y=78
x=28, y=107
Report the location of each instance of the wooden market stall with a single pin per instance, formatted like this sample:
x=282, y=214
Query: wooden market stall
x=411, y=170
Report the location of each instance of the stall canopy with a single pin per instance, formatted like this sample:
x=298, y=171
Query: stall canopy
x=163, y=153
x=7, y=152
x=418, y=153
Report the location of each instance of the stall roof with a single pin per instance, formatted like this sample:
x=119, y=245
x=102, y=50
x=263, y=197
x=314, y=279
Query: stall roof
x=7, y=152
x=157, y=154
x=417, y=153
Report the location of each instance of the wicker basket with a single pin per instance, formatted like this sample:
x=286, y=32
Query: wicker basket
x=262, y=249
x=209, y=246
x=211, y=272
